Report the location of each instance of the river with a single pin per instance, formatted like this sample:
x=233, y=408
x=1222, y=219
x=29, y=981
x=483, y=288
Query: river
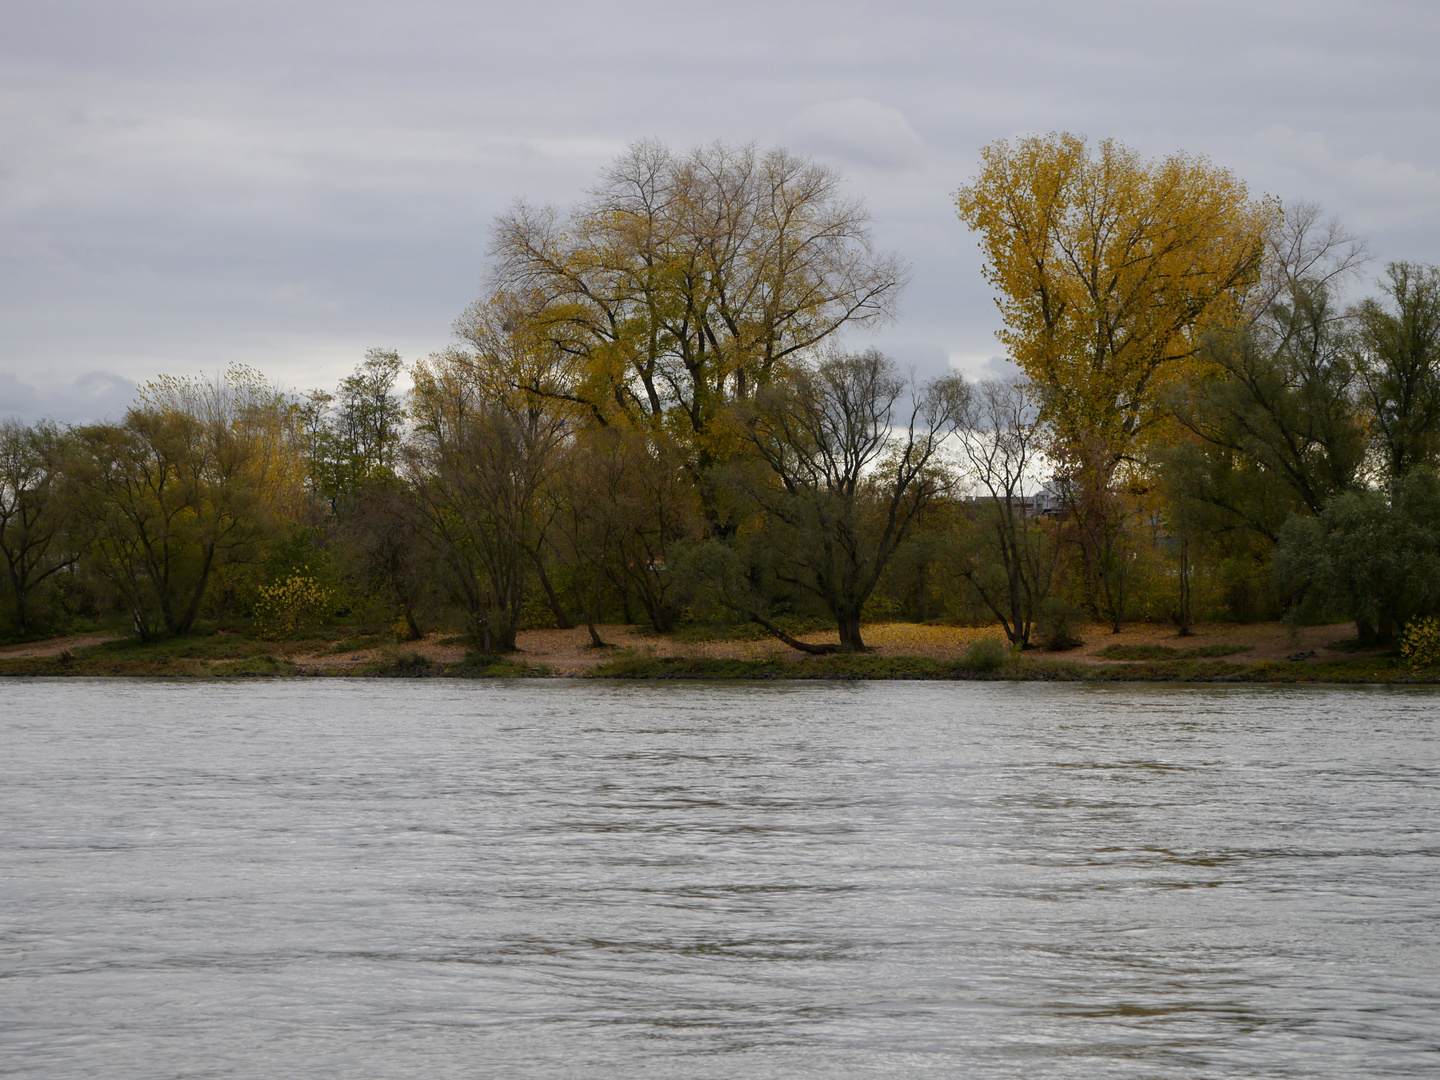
x=361, y=878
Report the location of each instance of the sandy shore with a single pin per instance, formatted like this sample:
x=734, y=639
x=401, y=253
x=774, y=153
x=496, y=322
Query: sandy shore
x=568, y=652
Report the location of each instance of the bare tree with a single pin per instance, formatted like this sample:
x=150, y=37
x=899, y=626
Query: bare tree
x=1000, y=441
x=852, y=455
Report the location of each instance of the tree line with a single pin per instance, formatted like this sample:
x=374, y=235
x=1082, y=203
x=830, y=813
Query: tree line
x=649, y=417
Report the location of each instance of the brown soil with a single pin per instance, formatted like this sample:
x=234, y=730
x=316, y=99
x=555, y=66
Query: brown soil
x=54, y=646
x=568, y=652
x=429, y=647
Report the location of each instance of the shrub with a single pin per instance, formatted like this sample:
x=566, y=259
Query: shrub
x=987, y=654
x=1055, y=624
x=296, y=603
x=1371, y=554
x=1420, y=644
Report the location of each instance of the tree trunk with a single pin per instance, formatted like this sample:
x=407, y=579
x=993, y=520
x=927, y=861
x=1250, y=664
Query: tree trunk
x=411, y=627
x=1183, y=617
x=850, y=641
x=562, y=621
x=22, y=613
x=1386, y=629
x=794, y=643
x=596, y=641
x=591, y=603
x=193, y=608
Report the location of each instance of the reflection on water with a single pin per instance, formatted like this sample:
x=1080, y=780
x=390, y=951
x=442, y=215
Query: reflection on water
x=386, y=879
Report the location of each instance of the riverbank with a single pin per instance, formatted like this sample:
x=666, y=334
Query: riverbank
x=1256, y=653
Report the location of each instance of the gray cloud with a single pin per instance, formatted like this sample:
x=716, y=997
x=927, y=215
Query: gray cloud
x=182, y=185
x=95, y=395
x=998, y=367
x=859, y=130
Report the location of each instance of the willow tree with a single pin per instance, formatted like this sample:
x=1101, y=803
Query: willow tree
x=1399, y=362
x=1274, y=424
x=38, y=537
x=489, y=428
x=198, y=475
x=1108, y=270
x=682, y=282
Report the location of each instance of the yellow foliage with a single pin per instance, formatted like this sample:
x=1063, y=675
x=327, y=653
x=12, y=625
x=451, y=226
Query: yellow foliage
x=684, y=282
x=295, y=603
x=241, y=431
x=1420, y=643
x=1108, y=268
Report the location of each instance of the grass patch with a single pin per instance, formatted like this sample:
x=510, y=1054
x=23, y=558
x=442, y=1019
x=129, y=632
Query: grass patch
x=227, y=654
x=401, y=664
x=1355, y=645
x=1030, y=668
x=1165, y=652
x=1173, y=670
x=36, y=665
x=209, y=647
x=174, y=658
x=350, y=643
x=856, y=666
x=196, y=655
x=476, y=666
x=1369, y=670
x=253, y=667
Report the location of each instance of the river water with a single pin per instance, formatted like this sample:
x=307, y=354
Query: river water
x=577, y=879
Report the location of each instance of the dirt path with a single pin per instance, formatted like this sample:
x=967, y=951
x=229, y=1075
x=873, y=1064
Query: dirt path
x=54, y=646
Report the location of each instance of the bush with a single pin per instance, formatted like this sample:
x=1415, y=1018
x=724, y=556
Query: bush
x=296, y=603
x=1055, y=624
x=1372, y=555
x=1420, y=644
x=987, y=654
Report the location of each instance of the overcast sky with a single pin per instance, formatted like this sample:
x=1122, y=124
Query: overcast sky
x=187, y=184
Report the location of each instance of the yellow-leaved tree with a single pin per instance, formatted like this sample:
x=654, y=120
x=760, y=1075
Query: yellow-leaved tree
x=685, y=281
x=1108, y=269
x=198, y=476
